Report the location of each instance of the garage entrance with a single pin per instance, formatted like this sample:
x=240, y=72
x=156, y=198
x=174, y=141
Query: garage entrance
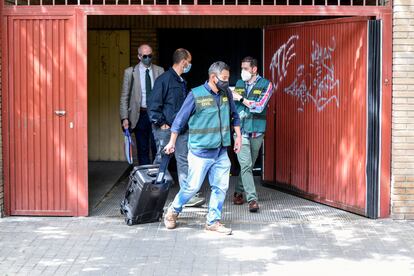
x=110, y=52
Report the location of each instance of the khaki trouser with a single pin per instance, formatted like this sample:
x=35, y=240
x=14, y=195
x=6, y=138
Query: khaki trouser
x=247, y=157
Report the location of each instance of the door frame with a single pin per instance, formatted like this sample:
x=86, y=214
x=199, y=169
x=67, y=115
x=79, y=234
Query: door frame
x=383, y=13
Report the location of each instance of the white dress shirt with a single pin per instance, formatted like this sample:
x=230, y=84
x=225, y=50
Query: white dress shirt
x=142, y=72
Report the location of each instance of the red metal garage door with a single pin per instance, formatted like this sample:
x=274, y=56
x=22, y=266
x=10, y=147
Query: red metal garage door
x=316, y=142
x=40, y=117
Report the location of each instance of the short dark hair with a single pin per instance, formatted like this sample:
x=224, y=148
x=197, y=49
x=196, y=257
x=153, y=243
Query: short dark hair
x=252, y=61
x=180, y=54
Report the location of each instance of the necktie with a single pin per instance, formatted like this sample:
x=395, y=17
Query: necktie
x=147, y=84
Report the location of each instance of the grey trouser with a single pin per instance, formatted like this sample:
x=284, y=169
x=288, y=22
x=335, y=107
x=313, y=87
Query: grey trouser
x=162, y=137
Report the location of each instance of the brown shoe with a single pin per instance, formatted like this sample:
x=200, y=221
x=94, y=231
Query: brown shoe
x=219, y=228
x=238, y=198
x=170, y=219
x=253, y=206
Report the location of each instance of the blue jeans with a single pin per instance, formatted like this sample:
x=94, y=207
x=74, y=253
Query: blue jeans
x=162, y=137
x=218, y=170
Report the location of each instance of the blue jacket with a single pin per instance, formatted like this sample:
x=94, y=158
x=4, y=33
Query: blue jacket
x=167, y=97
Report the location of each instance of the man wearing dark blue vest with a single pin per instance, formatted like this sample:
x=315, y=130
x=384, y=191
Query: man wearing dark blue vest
x=210, y=112
x=252, y=93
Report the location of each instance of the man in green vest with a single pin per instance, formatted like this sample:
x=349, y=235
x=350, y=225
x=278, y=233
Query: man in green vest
x=251, y=94
x=210, y=112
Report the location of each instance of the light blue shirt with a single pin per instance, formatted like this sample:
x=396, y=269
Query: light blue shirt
x=249, y=86
x=142, y=71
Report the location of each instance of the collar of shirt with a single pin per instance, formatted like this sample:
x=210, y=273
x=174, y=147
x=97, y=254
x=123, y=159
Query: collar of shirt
x=179, y=78
x=206, y=86
x=249, y=86
x=142, y=67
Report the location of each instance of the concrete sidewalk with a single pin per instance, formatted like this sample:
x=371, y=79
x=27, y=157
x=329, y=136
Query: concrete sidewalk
x=106, y=246
x=289, y=236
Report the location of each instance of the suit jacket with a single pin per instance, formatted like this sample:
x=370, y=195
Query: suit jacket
x=130, y=102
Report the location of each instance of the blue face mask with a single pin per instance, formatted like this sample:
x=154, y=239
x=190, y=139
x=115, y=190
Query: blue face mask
x=187, y=69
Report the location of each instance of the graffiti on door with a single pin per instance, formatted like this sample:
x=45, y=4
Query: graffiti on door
x=281, y=59
x=315, y=83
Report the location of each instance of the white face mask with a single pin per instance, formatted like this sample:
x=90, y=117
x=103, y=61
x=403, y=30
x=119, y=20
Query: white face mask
x=246, y=75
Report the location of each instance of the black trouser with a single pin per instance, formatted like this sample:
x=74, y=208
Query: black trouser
x=144, y=137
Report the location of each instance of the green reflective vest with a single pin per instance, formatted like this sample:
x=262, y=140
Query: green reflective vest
x=209, y=126
x=252, y=122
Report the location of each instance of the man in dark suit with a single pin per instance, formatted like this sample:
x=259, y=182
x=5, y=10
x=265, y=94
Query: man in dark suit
x=170, y=91
x=136, y=90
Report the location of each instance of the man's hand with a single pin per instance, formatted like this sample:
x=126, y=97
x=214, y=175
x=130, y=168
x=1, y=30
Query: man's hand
x=237, y=144
x=125, y=124
x=236, y=96
x=169, y=148
x=247, y=102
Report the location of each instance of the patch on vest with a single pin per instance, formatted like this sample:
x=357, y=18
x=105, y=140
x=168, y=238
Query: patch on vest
x=225, y=99
x=257, y=92
x=239, y=90
x=205, y=102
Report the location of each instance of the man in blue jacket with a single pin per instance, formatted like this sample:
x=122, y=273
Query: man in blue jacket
x=168, y=95
x=210, y=112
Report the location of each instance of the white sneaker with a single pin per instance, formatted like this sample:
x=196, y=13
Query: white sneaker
x=170, y=219
x=219, y=228
x=195, y=201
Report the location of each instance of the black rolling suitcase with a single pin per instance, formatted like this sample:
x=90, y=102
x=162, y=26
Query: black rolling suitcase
x=146, y=193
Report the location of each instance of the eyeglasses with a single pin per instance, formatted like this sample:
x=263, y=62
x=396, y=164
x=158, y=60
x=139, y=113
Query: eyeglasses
x=147, y=56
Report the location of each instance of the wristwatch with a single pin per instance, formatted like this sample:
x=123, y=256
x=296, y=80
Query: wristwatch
x=241, y=99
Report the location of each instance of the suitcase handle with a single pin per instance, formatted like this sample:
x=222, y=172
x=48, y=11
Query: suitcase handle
x=152, y=166
x=152, y=172
x=165, y=159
